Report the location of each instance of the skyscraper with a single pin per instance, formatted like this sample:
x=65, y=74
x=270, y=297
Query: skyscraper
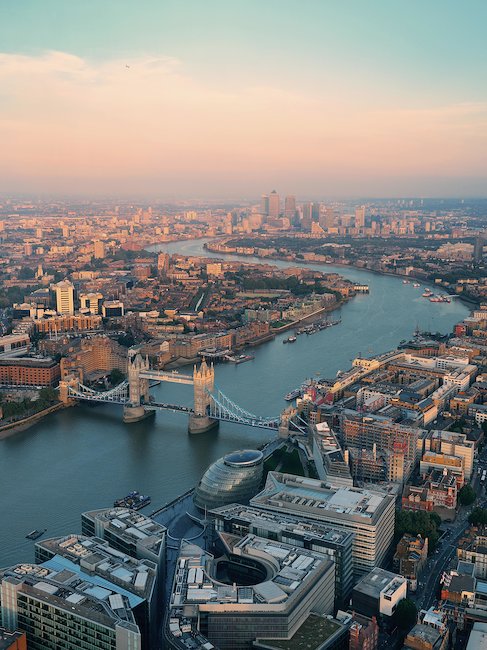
x=264, y=205
x=360, y=217
x=64, y=297
x=274, y=204
x=478, y=249
x=290, y=206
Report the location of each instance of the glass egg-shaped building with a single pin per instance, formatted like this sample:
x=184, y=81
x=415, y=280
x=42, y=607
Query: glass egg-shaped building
x=235, y=478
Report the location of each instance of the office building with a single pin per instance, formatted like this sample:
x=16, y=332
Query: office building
x=96, y=558
x=112, y=309
x=234, y=478
x=315, y=633
x=290, y=207
x=241, y=520
x=59, y=607
x=64, y=298
x=264, y=205
x=91, y=302
x=478, y=249
x=379, y=593
x=366, y=513
x=453, y=444
x=257, y=589
x=274, y=204
x=128, y=531
x=360, y=217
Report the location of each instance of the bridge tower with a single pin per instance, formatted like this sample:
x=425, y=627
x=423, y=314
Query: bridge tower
x=203, y=384
x=134, y=410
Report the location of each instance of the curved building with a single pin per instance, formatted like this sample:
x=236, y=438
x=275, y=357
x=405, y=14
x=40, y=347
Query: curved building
x=235, y=478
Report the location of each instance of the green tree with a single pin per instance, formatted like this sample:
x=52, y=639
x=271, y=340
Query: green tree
x=116, y=377
x=467, y=495
x=406, y=614
x=418, y=523
x=478, y=517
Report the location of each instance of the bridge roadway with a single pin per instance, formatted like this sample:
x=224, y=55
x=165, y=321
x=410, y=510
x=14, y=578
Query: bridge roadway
x=173, y=377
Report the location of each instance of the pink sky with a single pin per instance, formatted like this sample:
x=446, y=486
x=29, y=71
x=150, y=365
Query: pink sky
x=67, y=124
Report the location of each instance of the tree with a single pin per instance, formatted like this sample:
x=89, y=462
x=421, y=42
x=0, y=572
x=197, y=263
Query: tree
x=116, y=377
x=467, y=495
x=406, y=614
x=418, y=523
x=478, y=517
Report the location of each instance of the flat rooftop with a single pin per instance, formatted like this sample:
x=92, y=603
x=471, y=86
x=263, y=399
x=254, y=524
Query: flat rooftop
x=60, y=583
x=131, y=525
x=306, y=495
x=288, y=568
x=313, y=633
x=270, y=520
x=97, y=557
x=378, y=581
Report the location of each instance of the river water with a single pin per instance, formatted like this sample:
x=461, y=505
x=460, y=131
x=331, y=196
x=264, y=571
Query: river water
x=85, y=457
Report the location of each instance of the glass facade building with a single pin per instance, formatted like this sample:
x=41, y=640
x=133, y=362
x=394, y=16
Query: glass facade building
x=234, y=478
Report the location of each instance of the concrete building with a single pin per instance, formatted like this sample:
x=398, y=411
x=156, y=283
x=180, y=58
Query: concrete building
x=332, y=464
x=128, y=531
x=14, y=345
x=58, y=606
x=258, y=589
x=91, y=302
x=316, y=633
x=453, y=444
x=64, y=297
x=367, y=514
x=241, y=520
x=274, y=204
x=378, y=593
x=290, y=207
x=96, y=558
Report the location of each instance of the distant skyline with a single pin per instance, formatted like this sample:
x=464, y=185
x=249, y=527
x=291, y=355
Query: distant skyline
x=225, y=99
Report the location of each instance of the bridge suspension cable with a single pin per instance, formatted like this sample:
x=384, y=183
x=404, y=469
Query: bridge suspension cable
x=223, y=408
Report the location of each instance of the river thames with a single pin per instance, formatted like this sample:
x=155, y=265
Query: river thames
x=83, y=458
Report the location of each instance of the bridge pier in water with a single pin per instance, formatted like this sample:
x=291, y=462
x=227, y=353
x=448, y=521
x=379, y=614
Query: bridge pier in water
x=203, y=386
x=134, y=410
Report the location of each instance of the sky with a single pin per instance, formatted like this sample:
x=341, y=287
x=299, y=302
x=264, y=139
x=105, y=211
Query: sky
x=232, y=98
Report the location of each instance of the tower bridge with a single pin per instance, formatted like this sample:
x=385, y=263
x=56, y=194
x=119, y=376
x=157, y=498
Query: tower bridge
x=210, y=405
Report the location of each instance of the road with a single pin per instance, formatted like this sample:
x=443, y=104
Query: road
x=442, y=557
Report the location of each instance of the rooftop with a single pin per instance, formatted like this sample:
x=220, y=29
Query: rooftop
x=131, y=525
x=378, y=581
x=268, y=519
x=286, y=491
x=313, y=633
x=285, y=570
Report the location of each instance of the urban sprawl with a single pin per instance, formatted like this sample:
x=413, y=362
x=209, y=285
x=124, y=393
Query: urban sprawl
x=362, y=524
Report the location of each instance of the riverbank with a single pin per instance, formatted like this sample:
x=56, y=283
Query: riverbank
x=310, y=317
x=11, y=428
x=470, y=302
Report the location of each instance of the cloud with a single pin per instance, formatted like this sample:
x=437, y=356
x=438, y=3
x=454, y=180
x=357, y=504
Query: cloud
x=64, y=118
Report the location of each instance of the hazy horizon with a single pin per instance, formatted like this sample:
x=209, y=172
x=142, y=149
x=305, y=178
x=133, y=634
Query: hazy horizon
x=216, y=100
